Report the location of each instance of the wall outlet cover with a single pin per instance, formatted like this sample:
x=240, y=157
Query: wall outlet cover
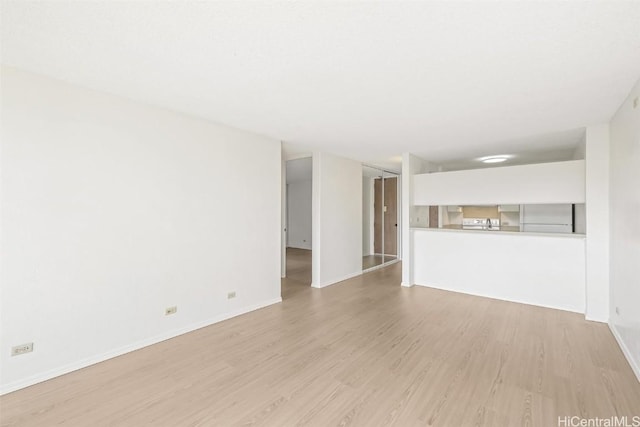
x=22, y=349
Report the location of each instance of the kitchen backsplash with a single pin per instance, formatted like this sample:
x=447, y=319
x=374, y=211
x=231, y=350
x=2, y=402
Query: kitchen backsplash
x=480, y=212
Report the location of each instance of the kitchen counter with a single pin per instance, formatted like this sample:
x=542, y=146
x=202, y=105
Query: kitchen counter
x=509, y=228
x=505, y=230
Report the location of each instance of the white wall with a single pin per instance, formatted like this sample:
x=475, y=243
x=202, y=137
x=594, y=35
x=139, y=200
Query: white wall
x=420, y=216
x=533, y=269
x=113, y=211
x=411, y=165
x=560, y=182
x=299, y=169
x=299, y=214
x=625, y=228
x=597, y=222
x=337, y=219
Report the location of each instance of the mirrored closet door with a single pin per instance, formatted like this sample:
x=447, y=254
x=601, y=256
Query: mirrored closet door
x=380, y=210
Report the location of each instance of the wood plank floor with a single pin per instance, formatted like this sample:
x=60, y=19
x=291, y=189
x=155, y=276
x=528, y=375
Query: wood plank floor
x=365, y=352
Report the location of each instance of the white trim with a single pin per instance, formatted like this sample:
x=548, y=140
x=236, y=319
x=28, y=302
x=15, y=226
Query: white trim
x=83, y=363
x=334, y=281
x=499, y=299
x=406, y=285
x=595, y=319
x=625, y=350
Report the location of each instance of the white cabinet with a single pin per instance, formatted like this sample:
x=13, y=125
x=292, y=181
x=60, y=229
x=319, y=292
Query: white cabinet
x=557, y=182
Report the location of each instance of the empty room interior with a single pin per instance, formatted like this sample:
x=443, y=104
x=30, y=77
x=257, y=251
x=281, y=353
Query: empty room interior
x=288, y=213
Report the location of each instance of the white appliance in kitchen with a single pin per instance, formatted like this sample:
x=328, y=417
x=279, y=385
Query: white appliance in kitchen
x=547, y=218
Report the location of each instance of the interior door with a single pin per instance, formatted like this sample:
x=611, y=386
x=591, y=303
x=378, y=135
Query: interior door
x=390, y=216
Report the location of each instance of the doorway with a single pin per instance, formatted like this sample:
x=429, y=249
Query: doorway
x=298, y=224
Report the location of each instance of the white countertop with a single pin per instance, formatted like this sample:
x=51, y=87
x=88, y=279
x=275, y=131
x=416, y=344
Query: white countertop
x=500, y=232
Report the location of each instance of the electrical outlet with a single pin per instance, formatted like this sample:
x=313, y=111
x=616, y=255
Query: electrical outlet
x=618, y=311
x=231, y=295
x=22, y=349
x=636, y=102
x=170, y=310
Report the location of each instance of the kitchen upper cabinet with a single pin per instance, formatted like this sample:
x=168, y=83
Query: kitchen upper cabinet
x=509, y=208
x=557, y=182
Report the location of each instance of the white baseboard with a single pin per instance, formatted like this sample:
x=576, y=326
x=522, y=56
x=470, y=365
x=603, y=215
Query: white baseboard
x=596, y=318
x=406, y=285
x=625, y=350
x=334, y=281
x=83, y=363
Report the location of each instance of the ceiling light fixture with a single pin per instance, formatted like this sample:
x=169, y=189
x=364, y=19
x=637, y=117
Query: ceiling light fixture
x=494, y=159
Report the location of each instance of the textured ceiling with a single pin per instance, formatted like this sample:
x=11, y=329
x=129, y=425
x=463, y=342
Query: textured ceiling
x=367, y=80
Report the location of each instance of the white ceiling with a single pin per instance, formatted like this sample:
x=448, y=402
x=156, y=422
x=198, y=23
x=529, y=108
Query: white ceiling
x=553, y=147
x=366, y=80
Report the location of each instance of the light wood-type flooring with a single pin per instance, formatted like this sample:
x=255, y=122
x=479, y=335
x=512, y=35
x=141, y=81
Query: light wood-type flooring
x=365, y=352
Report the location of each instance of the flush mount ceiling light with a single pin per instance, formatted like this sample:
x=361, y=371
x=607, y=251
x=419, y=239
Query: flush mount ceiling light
x=494, y=159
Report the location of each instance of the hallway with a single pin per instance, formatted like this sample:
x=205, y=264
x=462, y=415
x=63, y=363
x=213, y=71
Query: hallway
x=298, y=272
